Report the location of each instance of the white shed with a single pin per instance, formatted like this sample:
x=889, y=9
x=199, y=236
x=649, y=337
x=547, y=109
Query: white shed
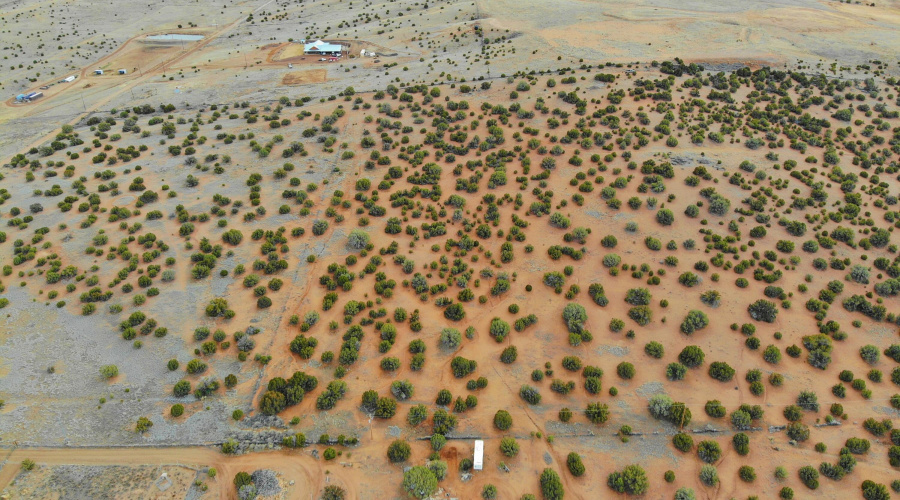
x=479, y=455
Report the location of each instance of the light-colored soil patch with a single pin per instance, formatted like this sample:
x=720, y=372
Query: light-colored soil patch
x=288, y=53
x=303, y=77
x=70, y=482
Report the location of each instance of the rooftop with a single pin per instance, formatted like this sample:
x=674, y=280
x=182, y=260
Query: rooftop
x=321, y=46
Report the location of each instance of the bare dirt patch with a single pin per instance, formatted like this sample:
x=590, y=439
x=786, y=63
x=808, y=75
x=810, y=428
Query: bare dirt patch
x=103, y=482
x=290, y=52
x=303, y=77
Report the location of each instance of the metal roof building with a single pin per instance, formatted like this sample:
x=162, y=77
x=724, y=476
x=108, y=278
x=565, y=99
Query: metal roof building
x=320, y=47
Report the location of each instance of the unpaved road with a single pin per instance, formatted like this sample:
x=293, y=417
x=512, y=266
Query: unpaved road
x=306, y=472
x=133, y=82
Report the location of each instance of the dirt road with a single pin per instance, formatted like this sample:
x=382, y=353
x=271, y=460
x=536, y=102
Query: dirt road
x=147, y=74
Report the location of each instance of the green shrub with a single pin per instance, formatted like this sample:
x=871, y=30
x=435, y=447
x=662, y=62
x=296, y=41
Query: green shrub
x=721, y=371
x=109, y=371
x=654, y=349
x=715, y=409
x=575, y=465
x=763, y=310
x=631, y=480
x=747, y=474
x=691, y=356
x=530, y=394
x=683, y=442
x=625, y=370
x=597, y=413
x=676, y=371
x=741, y=443
x=398, y=451
x=499, y=329
x=684, y=494
x=502, y=420
x=509, y=354
x=509, y=447
x=695, y=320
x=809, y=477
x=420, y=482
x=709, y=451
x=709, y=475
x=551, y=485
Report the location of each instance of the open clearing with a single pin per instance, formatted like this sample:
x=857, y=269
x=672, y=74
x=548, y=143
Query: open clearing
x=301, y=77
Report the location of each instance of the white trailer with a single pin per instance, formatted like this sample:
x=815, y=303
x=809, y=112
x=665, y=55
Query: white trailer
x=478, y=462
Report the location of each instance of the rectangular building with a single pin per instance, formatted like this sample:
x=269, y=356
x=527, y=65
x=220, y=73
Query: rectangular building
x=322, y=48
x=478, y=462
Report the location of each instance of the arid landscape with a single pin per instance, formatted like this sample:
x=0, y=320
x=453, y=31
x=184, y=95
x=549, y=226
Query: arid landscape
x=636, y=249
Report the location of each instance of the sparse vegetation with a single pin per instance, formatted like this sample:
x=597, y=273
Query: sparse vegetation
x=452, y=216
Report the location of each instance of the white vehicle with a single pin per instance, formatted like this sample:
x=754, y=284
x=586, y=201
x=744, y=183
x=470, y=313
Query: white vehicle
x=478, y=462
x=323, y=59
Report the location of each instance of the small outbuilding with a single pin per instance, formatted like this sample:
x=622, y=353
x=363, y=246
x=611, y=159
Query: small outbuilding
x=68, y=79
x=322, y=48
x=98, y=71
x=123, y=71
x=478, y=461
